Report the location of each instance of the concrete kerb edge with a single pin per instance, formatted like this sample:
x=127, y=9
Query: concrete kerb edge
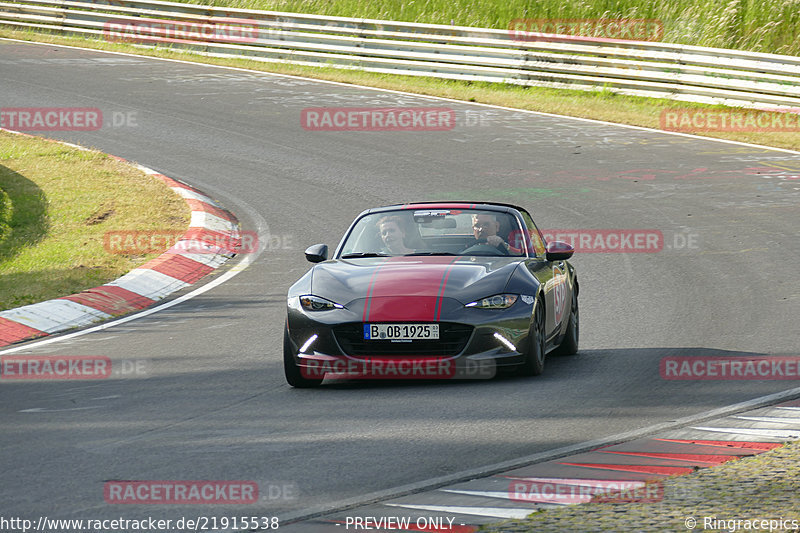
x=137, y=289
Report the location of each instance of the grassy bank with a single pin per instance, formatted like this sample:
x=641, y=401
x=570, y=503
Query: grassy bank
x=768, y=26
x=56, y=204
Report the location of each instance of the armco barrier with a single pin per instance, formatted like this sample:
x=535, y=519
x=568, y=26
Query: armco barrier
x=642, y=68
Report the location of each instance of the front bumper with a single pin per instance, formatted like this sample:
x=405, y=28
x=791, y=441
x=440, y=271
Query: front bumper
x=473, y=344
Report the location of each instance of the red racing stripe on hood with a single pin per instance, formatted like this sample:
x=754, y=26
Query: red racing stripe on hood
x=408, y=289
x=371, y=287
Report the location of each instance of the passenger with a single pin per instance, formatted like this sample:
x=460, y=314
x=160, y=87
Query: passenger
x=393, y=235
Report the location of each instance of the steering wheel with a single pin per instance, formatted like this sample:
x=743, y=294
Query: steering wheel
x=483, y=248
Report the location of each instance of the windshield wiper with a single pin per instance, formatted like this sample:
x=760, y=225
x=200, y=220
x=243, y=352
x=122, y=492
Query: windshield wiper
x=364, y=254
x=432, y=253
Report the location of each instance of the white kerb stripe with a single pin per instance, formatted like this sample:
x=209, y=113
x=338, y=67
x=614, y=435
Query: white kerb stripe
x=594, y=483
x=203, y=219
x=149, y=283
x=144, y=169
x=194, y=195
x=771, y=419
x=193, y=247
x=768, y=433
x=504, y=495
x=494, y=512
x=55, y=315
x=212, y=260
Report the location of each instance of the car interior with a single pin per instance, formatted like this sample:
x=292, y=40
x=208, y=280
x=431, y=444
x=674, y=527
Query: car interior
x=434, y=231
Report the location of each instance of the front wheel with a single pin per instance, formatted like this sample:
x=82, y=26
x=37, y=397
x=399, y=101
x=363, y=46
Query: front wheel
x=569, y=346
x=534, y=359
x=292, y=372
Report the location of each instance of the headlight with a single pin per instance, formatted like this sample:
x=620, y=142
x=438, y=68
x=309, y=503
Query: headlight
x=498, y=301
x=315, y=303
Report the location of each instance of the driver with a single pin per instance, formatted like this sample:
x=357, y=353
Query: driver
x=485, y=227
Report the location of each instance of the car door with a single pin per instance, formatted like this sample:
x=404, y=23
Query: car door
x=553, y=275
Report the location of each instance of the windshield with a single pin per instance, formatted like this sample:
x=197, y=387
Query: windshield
x=434, y=232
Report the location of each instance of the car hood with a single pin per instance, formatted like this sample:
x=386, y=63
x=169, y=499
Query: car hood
x=413, y=287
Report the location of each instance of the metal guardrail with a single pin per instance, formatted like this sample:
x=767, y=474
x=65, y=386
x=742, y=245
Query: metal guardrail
x=665, y=70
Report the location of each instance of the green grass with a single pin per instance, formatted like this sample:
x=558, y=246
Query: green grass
x=763, y=26
x=56, y=203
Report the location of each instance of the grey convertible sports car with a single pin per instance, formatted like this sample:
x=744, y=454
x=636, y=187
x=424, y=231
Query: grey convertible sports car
x=432, y=291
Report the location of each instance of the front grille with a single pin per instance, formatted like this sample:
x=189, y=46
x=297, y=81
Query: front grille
x=452, y=340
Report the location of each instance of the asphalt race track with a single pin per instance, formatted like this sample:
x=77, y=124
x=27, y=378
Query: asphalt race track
x=209, y=400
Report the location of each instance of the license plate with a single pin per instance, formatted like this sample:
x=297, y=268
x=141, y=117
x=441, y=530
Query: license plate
x=401, y=332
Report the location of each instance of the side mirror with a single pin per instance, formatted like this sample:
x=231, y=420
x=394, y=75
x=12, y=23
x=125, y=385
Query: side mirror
x=558, y=251
x=317, y=253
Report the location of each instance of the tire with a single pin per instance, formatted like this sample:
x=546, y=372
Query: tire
x=569, y=346
x=534, y=358
x=290, y=369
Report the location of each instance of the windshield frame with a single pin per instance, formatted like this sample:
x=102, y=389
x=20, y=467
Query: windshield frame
x=517, y=226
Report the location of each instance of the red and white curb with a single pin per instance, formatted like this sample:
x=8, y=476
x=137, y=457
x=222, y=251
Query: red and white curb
x=173, y=270
x=577, y=478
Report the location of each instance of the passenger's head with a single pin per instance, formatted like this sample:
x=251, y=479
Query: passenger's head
x=392, y=233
